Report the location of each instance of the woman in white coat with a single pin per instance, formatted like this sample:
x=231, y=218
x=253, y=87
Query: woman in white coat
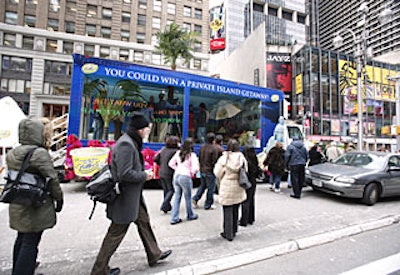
x=231, y=194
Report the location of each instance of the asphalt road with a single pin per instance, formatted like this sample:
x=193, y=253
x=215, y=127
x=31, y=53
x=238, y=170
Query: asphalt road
x=71, y=246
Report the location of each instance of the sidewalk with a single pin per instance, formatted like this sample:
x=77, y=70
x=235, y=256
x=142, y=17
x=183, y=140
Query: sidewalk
x=283, y=225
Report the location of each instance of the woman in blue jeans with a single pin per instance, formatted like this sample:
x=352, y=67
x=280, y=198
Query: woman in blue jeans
x=186, y=164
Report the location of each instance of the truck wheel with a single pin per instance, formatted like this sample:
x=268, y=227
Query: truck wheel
x=371, y=194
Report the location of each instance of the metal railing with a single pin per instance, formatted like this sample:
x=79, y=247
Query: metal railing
x=59, y=140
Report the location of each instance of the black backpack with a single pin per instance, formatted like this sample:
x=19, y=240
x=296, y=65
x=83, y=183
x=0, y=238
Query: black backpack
x=102, y=188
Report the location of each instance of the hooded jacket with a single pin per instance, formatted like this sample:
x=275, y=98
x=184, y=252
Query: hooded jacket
x=227, y=171
x=27, y=218
x=296, y=154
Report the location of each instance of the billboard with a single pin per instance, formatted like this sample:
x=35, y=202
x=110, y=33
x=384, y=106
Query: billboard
x=217, y=28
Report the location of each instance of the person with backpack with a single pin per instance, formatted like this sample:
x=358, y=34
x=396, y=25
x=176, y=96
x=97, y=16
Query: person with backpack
x=127, y=167
x=31, y=221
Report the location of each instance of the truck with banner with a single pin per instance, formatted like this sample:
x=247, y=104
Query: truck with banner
x=104, y=93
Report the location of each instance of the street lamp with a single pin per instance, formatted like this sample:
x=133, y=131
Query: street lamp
x=361, y=53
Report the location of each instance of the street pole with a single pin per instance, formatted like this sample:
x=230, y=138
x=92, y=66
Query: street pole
x=359, y=98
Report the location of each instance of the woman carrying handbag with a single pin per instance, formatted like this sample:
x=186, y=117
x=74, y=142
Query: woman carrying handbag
x=231, y=194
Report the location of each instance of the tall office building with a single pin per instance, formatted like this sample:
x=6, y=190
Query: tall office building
x=330, y=17
x=37, y=39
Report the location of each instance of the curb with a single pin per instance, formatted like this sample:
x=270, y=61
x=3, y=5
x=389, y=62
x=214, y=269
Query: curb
x=290, y=246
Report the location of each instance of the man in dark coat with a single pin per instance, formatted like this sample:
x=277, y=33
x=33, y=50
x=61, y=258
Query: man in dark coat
x=127, y=166
x=296, y=157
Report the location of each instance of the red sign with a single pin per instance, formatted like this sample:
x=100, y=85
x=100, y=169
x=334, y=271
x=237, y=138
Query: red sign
x=217, y=44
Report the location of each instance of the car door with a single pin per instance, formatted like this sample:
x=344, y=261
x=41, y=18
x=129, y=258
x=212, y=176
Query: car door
x=392, y=179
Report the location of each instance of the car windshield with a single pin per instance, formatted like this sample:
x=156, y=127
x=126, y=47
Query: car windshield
x=367, y=161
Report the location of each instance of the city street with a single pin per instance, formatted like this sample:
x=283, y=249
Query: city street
x=71, y=247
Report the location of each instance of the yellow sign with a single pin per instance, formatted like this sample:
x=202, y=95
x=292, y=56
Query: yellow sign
x=88, y=160
x=385, y=130
x=216, y=24
x=299, y=84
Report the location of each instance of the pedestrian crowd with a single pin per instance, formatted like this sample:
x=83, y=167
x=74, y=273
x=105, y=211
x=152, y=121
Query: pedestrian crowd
x=218, y=168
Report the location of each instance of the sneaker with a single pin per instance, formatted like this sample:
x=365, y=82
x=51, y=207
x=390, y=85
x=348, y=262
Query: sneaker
x=195, y=204
x=212, y=207
x=277, y=190
x=271, y=187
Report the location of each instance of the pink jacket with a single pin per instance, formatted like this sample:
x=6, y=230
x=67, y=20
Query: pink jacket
x=187, y=168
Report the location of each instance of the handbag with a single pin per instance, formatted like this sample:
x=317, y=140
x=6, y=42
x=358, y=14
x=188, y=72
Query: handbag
x=25, y=188
x=243, y=179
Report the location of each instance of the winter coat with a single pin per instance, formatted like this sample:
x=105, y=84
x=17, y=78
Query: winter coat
x=27, y=218
x=128, y=168
x=315, y=156
x=276, y=161
x=162, y=158
x=208, y=156
x=227, y=172
x=296, y=154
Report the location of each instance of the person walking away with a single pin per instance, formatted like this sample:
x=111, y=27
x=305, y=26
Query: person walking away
x=98, y=125
x=208, y=156
x=315, y=155
x=248, y=206
x=296, y=157
x=275, y=161
x=127, y=166
x=166, y=173
x=30, y=221
x=333, y=152
x=231, y=194
x=201, y=122
x=186, y=165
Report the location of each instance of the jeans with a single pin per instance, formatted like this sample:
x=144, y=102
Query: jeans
x=201, y=134
x=275, y=180
x=207, y=180
x=166, y=184
x=297, y=177
x=25, y=253
x=182, y=184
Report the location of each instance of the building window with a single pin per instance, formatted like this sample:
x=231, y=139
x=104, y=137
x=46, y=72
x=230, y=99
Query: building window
x=197, y=47
x=69, y=27
x=13, y=2
x=156, y=23
x=57, y=68
x=157, y=5
x=154, y=40
x=68, y=48
x=171, y=8
x=198, y=28
x=124, y=55
x=141, y=20
x=107, y=14
x=169, y=22
x=104, y=52
x=54, y=5
x=125, y=35
x=15, y=86
x=91, y=11
x=29, y=21
x=127, y=2
x=52, y=25
x=197, y=64
x=31, y=3
x=198, y=13
x=140, y=37
x=56, y=89
x=11, y=18
x=126, y=17
x=9, y=40
x=51, y=45
x=301, y=19
x=156, y=59
x=27, y=42
x=19, y=64
x=186, y=27
x=187, y=11
x=105, y=32
x=287, y=15
x=142, y=4
x=70, y=7
x=272, y=11
x=90, y=30
x=138, y=57
x=89, y=50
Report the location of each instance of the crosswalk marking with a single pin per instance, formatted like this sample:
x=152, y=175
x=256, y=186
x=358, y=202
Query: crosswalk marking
x=380, y=267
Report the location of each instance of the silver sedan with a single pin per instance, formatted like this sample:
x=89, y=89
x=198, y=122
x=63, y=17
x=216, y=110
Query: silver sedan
x=365, y=175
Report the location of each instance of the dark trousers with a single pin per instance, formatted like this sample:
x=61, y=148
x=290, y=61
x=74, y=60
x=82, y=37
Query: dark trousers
x=248, y=208
x=231, y=213
x=25, y=253
x=207, y=180
x=297, y=177
x=116, y=233
x=166, y=183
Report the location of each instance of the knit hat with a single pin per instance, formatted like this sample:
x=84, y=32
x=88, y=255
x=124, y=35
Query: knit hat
x=137, y=121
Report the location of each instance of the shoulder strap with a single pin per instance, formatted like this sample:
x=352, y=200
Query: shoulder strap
x=92, y=212
x=25, y=163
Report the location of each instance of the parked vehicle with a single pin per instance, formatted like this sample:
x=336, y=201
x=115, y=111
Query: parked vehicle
x=368, y=176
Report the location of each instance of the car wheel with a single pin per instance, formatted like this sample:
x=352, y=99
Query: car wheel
x=371, y=194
